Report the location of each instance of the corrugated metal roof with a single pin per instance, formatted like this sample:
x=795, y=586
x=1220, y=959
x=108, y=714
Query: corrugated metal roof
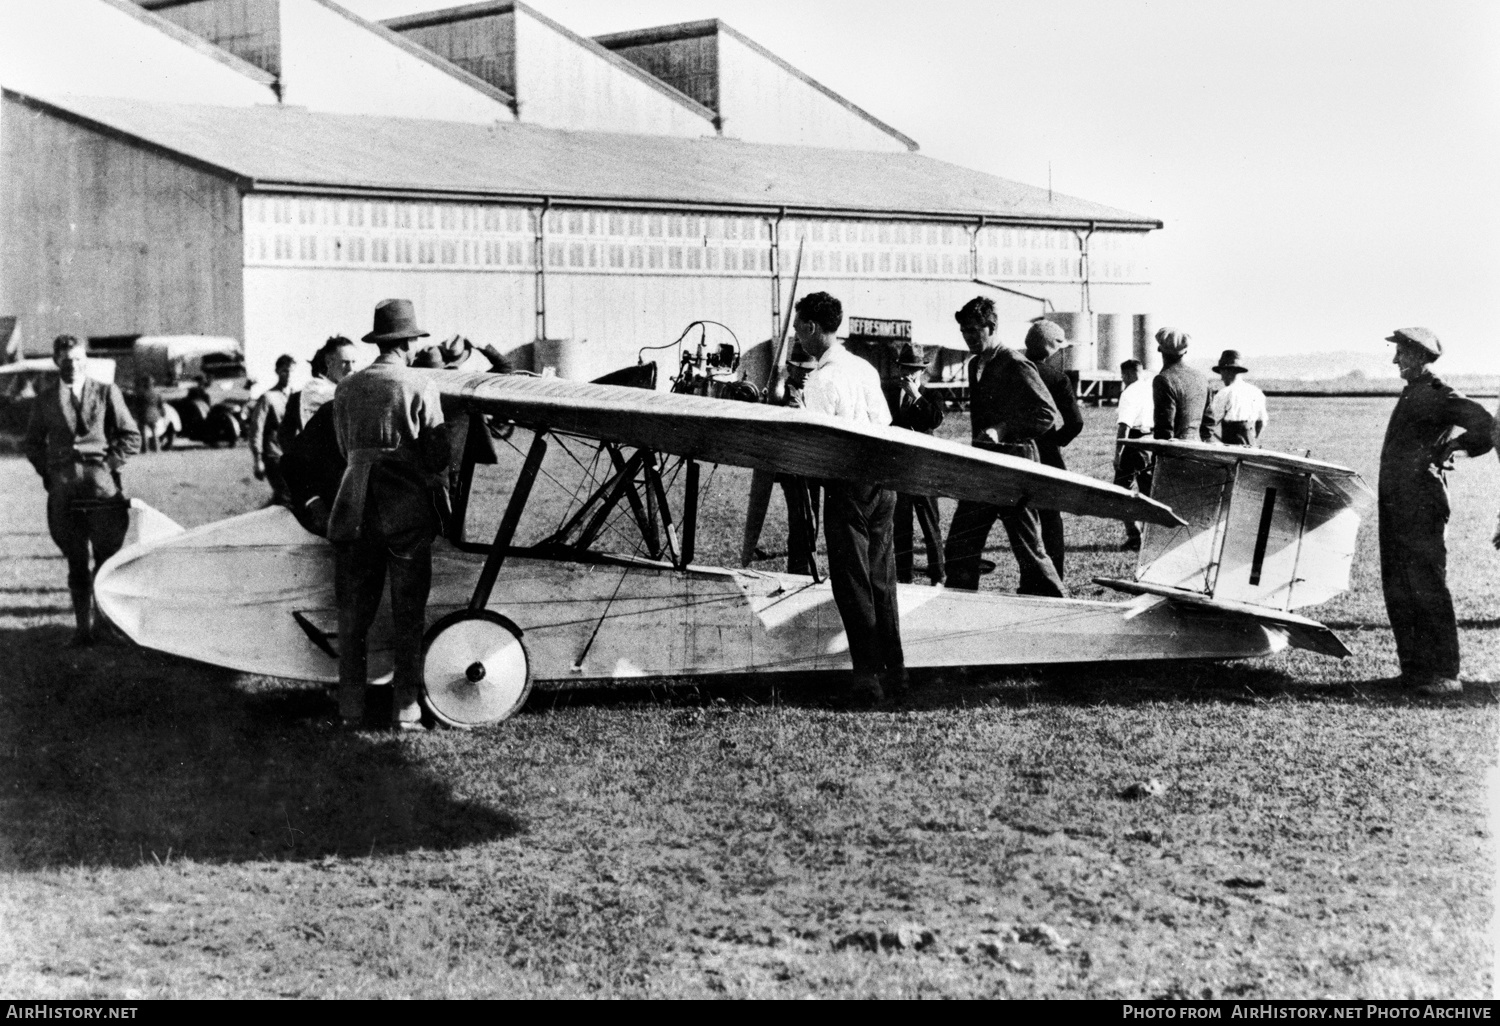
x=273, y=148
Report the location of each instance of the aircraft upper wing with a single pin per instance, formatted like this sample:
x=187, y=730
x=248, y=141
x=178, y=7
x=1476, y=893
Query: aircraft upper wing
x=789, y=441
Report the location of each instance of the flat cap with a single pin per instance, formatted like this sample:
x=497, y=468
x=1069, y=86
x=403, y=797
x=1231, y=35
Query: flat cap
x=1046, y=332
x=1170, y=340
x=1420, y=337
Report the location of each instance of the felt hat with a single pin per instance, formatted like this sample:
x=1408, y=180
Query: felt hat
x=1230, y=361
x=1420, y=337
x=395, y=321
x=910, y=359
x=454, y=350
x=1170, y=340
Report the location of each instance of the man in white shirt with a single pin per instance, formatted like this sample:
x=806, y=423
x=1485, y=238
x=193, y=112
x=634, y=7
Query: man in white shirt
x=1135, y=420
x=1239, y=407
x=858, y=519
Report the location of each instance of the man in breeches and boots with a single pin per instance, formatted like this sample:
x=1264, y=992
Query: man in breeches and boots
x=1009, y=409
x=1430, y=423
x=857, y=518
x=78, y=438
x=390, y=506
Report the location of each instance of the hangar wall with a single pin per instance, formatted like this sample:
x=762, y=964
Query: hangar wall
x=626, y=279
x=104, y=237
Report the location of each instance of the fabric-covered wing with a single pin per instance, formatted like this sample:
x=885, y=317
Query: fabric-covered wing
x=788, y=441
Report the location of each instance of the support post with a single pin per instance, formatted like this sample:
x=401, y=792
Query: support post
x=659, y=491
x=690, y=514
x=508, y=523
x=644, y=517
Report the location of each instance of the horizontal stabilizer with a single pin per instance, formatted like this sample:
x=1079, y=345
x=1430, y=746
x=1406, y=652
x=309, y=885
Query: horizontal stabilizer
x=789, y=441
x=1300, y=631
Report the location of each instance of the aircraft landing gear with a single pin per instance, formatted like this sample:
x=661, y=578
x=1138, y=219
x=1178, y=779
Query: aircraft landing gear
x=474, y=669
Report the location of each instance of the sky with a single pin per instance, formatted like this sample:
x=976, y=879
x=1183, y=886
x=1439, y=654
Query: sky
x=1327, y=170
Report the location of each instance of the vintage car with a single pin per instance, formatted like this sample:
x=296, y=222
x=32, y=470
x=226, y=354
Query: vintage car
x=200, y=380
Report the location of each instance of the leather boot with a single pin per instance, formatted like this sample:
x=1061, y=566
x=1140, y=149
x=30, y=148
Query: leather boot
x=83, y=615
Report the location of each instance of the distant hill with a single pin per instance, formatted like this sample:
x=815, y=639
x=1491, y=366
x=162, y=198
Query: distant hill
x=1314, y=366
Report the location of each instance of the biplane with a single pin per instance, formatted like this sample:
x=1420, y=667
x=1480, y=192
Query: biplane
x=611, y=588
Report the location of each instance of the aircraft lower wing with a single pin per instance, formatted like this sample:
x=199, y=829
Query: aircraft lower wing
x=789, y=441
x=1300, y=631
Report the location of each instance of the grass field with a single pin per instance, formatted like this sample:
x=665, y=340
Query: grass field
x=172, y=830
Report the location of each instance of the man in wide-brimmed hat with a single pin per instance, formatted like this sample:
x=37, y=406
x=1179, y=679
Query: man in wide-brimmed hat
x=1179, y=394
x=389, y=508
x=915, y=410
x=1430, y=423
x=1239, y=408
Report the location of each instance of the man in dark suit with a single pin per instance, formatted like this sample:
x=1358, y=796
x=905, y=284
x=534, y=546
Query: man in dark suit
x=1044, y=342
x=1009, y=409
x=389, y=423
x=915, y=410
x=78, y=438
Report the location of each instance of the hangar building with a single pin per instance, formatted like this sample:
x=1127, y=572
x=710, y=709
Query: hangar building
x=516, y=180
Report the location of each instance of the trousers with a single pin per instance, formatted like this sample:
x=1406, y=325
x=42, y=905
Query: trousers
x=1134, y=471
x=970, y=531
x=801, y=522
x=85, y=511
x=926, y=509
x=1414, y=574
x=857, y=526
x=360, y=570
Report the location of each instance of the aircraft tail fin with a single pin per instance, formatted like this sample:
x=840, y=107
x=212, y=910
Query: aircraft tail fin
x=1264, y=529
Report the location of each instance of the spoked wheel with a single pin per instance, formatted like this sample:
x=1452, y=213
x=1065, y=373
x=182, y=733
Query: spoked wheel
x=474, y=669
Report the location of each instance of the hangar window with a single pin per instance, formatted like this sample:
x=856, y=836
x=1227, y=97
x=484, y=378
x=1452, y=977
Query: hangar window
x=307, y=247
x=711, y=259
x=654, y=257
x=731, y=259
x=715, y=228
x=576, y=255
x=765, y=260
x=555, y=254
x=947, y=263
x=885, y=234
x=515, y=253
x=834, y=233
x=867, y=262
x=426, y=252
x=1007, y=267
x=575, y=223
x=653, y=226
x=616, y=255
x=492, y=252
x=554, y=223
x=635, y=225
x=356, y=249
x=817, y=260
x=616, y=224
x=448, y=219
x=695, y=259
x=994, y=267
x=380, y=251
x=674, y=258
x=674, y=227
x=514, y=222
x=900, y=263
x=885, y=261
x=593, y=256
x=449, y=252
x=637, y=257
x=817, y=232
x=932, y=263
x=835, y=262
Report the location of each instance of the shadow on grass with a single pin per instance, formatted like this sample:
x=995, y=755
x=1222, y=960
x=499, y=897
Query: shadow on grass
x=1119, y=684
x=115, y=755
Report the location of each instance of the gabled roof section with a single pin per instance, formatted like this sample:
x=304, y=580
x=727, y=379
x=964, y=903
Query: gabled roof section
x=714, y=26
x=142, y=12
x=285, y=149
x=422, y=53
x=468, y=12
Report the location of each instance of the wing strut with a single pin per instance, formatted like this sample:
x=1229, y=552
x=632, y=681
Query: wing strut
x=508, y=523
x=643, y=518
x=690, y=514
x=653, y=481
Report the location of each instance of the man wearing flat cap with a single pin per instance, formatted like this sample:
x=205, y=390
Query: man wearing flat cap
x=390, y=505
x=1044, y=342
x=1430, y=423
x=1239, y=408
x=1179, y=393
